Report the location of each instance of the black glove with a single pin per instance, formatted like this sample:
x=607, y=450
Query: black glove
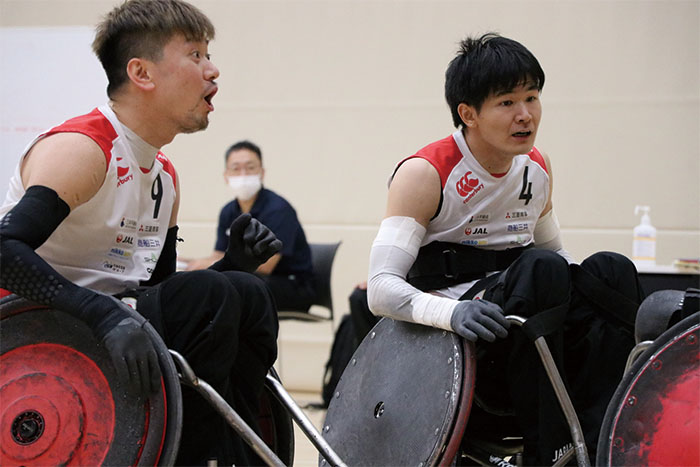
x=26, y=227
x=474, y=319
x=131, y=348
x=133, y=355
x=250, y=244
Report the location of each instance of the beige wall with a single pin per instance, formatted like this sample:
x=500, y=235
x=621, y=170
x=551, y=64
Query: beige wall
x=335, y=92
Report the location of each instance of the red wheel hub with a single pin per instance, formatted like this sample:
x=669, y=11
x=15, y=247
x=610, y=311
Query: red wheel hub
x=47, y=390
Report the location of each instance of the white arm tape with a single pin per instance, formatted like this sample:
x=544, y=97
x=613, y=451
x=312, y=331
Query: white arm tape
x=393, y=252
x=548, y=235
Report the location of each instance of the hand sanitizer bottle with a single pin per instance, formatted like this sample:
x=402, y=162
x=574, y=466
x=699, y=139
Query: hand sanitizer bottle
x=644, y=244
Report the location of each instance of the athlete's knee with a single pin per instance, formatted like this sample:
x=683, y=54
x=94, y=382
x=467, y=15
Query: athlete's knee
x=538, y=277
x=259, y=313
x=616, y=271
x=608, y=261
x=246, y=282
x=544, y=255
x=205, y=278
x=541, y=264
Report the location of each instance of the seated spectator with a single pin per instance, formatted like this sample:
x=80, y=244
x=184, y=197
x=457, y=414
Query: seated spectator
x=288, y=273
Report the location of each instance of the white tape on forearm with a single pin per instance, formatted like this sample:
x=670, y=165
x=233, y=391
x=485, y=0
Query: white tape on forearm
x=393, y=252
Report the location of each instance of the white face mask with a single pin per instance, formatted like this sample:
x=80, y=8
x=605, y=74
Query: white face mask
x=244, y=186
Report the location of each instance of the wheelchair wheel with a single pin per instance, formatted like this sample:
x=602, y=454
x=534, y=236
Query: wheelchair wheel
x=403, y=399
x=654, y=416
x=61, y=402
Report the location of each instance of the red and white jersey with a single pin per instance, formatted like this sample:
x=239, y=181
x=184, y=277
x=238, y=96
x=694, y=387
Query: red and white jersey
x=481, y=209
x=113, y=241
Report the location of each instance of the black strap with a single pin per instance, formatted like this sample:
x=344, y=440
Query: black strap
x=611, y=302
x=481, y=285
x=442, y=264
x=546, y=322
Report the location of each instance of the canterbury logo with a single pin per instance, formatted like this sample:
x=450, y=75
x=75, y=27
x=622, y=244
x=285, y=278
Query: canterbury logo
x=121, y=171
x=466, y=185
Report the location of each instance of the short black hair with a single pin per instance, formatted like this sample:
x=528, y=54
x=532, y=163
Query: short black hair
x=487, y=65
x=245, y=144
x=141, y=28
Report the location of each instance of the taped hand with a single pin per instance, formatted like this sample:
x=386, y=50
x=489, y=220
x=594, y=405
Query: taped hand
x=250, y=244
x=474, y=319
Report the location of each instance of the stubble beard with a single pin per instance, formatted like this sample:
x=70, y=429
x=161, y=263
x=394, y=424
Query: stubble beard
x=195, y=124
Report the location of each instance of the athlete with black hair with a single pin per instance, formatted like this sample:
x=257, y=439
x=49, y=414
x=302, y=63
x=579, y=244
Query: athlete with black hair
x=91, y=214
x=470, y=235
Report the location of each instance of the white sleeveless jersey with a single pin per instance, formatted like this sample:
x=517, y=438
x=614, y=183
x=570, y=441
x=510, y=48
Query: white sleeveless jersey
x=480, y=209
x=113, y=241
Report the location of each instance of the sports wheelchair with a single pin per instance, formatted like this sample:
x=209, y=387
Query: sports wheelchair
x=61, y=402
x=408, y=392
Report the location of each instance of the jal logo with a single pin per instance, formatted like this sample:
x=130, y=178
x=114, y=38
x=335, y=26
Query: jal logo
x=125, y=239
x=466, y=185
x=476, y=231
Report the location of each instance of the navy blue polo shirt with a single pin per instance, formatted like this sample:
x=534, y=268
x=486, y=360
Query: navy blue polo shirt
x=280, y=217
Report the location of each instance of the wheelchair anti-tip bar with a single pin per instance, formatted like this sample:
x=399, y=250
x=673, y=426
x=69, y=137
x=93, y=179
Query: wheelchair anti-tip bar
x=214, y=398
x=564, y=401
x=305, y=424
x=249, y=436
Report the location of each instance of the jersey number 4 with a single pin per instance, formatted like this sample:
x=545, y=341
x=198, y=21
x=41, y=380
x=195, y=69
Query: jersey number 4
x=526, y=190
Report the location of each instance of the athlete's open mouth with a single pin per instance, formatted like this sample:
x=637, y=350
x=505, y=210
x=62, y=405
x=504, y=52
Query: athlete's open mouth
x=522, y=133
x=209, y=97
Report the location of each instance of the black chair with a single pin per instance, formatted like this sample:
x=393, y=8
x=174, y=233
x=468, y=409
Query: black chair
x=322, y=257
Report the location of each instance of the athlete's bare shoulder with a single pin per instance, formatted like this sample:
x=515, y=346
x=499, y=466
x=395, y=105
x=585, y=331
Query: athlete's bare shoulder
x=71, y=164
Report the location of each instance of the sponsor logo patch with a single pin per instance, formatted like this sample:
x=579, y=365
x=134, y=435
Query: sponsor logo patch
x=125, y=239
x=481, y=242
x=148, y=243
x=127, y=223
x=114, y=267
x=119, y=253
x=148, y=228
x=520, y=227
x=123, y=175
x=476, y=231
x=479, y=219
x=468, y=187
x=152, y=258
x=516, y=214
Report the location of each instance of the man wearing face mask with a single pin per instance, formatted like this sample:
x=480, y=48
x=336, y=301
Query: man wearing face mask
x=288, y=273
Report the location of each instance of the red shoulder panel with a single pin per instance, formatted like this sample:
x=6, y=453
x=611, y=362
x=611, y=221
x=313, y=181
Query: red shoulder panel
x=442, y=154
x=536, y=156
x=95, y=126
x=168, y=167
